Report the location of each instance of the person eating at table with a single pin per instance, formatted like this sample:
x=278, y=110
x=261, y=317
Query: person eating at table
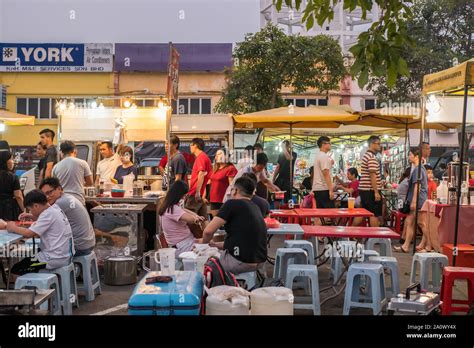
x=351, y=187
x=371, y=183
x=76, y=213
x=322, y=183
x=245, y=243
x=175, y=220
x=52, y=227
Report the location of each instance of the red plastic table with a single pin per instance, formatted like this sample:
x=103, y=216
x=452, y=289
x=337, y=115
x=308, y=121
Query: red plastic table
x=331, y=213
x=286, y=215
x=349, y=232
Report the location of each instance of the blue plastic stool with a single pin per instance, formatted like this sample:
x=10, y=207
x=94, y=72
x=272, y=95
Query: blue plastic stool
x=42, y=281
x=369, y=253
x=67, y=285
x=390, y=264
x=347, y=248
x=310, y=272
x=303, y=244
x=385, y=245
x=250, y=278
x=283, y=258
x=376, y=295
x=90, y=275
x=437, y=262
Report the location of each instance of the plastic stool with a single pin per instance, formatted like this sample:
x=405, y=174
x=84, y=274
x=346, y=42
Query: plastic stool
x=369, y=253
x=384, y=243
x=372, y=271
x=348, y=248
x=90, y=275
x=396, y=221
x=437, y=262
x=306, y=271
x=450, y=274
x=67, y=285
x=303, y=244
x=250, y=278
x=41, y=281
x=391, y=264
x=283, y=258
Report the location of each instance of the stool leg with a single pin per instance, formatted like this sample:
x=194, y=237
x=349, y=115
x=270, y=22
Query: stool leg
x=348, y=295
x=87, y=279
x=315, y=294
x=276, y=269
x=447, y=296
x=413, y=271
x=96, y=277
x=436, y=278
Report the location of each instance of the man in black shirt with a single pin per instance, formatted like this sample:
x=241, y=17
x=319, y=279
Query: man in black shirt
x=245, y=244
x=46, y=139
x=282, y=176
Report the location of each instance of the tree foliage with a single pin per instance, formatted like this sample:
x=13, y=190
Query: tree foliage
x=378, y=51
x=268, y=60
x=441, y=30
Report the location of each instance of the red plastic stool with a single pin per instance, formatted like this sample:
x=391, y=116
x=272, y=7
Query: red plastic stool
x=450, y=274
x=396, y=221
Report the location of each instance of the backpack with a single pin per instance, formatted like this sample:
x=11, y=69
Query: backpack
x=215, y=275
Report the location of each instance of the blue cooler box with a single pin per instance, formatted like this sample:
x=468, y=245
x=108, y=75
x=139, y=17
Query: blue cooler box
x=182, y=296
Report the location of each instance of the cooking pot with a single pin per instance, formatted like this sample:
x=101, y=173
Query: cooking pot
x=120, y=270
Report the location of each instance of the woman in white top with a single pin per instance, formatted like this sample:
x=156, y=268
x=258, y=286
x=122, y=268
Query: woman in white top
x=175, y=220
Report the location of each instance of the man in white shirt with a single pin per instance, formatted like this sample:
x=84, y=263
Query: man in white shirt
x=108, y=165
x=323, y=187
x=72, y=172
x=52, y=227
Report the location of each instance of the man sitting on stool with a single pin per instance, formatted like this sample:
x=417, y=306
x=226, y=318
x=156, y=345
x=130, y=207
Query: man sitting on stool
x=245, y=243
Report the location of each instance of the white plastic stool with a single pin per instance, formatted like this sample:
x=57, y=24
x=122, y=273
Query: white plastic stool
x=385, y=245
x=283, y=258
x=437, y=262
x=303, y=244
x=250, y=278
x=390, y=264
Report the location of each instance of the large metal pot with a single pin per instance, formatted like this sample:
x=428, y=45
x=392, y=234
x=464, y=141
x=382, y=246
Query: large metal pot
x=120, y=270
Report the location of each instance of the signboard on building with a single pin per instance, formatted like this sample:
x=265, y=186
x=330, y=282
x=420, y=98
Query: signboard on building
x=3, y=97
x=173, y=74
x=91, y=57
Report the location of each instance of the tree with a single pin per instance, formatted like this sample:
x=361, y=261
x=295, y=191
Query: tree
x=439, y=40
x=269, y=60
x=378, y=51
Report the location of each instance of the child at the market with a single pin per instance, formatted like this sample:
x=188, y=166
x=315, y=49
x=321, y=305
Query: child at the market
x=432, y=186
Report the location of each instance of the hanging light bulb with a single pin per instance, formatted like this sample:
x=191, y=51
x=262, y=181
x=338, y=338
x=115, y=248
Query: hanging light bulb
x=127, y=103
x=94, y=104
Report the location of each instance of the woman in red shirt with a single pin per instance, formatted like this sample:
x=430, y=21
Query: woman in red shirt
x=222, y=175
x=352, y=187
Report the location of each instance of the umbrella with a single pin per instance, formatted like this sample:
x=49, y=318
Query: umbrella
x=290, y=116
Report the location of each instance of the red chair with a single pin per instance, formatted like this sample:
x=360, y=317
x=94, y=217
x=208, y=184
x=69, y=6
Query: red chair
x=450, y=274
x=396, y=221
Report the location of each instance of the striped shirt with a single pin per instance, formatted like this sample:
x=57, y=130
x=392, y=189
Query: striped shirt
x=369, y=164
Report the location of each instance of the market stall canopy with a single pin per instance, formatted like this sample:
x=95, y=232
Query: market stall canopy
x=344, y=130
x=397, y=117
x=14, y=119
x=304, y=117
x=451, y=81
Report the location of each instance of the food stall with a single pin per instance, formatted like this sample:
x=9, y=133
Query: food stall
x=118, y=119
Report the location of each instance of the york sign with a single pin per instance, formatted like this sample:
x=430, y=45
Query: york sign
x=56, y=57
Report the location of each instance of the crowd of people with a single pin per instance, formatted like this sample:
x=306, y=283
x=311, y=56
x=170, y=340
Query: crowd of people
x=234, y=196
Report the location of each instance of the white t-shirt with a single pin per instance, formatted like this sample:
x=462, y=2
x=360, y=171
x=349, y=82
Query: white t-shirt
x=56, y=243
x=71, y=172
x=321, y=162
x=106, y=168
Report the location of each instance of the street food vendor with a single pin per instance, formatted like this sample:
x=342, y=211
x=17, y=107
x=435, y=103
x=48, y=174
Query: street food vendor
x=127, y=167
